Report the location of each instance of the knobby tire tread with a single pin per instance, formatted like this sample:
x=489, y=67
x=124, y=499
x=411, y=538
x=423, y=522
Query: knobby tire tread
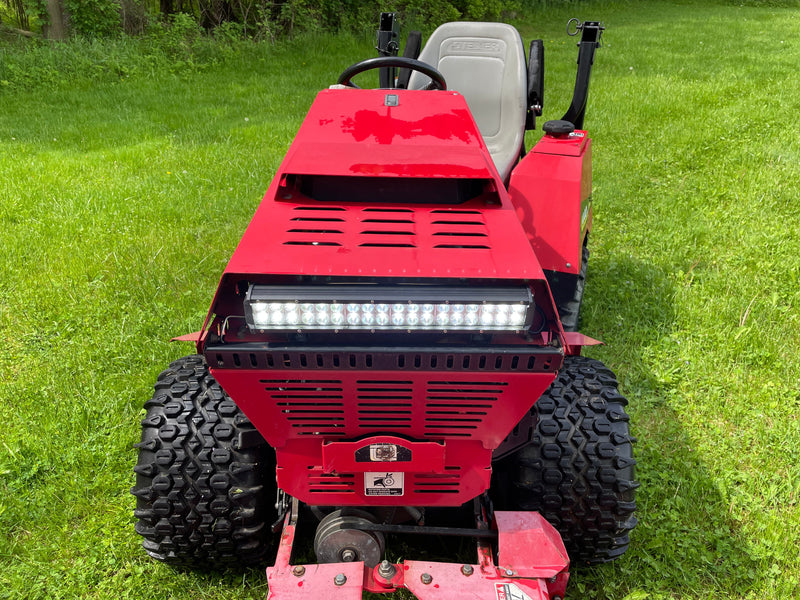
x=579, y=471
x=204, y=476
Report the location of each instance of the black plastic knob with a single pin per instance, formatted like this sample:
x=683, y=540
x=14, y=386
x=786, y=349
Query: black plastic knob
x=558, y=128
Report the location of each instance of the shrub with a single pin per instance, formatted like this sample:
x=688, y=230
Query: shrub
x=94, y=18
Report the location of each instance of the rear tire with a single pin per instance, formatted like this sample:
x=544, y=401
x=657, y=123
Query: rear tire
x=205, y=478
x=569, y=304
x=578, y=471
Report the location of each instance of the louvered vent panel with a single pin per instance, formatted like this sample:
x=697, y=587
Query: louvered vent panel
x=387, y=228
x=316, y=226
x=457, y=409
x=436, y=483
x=459, y=229
x=326, y=483
x=310, y=407
x=385, y=403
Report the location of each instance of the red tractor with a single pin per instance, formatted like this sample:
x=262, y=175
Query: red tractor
x=393, y=351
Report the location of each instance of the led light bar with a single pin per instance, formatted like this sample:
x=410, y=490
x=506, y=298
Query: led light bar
x=373, y=307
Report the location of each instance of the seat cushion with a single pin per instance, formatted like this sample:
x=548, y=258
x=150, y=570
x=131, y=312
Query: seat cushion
x=485, y=62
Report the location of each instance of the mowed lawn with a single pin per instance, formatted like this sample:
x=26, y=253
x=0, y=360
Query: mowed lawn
x=123, y=193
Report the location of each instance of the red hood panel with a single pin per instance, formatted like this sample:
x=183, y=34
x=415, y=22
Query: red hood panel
x=420, y=160
x=352, y=132
x=385, y=242
x=428, y=135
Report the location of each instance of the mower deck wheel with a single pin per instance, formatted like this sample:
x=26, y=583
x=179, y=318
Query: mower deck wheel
x=205, y=477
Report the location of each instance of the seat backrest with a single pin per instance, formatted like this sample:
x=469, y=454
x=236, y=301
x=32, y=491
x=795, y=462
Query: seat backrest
x=485, y=62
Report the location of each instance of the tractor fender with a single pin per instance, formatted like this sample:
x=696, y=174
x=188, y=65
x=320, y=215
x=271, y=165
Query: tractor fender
x=551, y=190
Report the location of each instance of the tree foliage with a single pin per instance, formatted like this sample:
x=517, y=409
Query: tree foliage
x=256, y=18
x=94, y=18
x=19, y=12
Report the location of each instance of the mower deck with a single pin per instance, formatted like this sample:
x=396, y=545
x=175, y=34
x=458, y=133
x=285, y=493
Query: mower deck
x=531, y=564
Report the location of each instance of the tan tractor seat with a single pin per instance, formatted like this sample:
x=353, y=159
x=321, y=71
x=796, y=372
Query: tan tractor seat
x=485, y=62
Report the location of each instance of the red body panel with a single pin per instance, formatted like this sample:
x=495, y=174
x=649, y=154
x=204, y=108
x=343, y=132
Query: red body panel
x=446, y=419
x=551, y=190
x=449, y=417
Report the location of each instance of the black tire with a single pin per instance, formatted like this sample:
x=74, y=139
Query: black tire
x=205, y=478
x=569, y=308
x=578, y=471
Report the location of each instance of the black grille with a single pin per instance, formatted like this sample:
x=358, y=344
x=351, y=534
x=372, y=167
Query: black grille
x=518, y=359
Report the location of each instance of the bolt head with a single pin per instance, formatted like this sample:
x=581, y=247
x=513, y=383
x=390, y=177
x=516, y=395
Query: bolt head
x=340, y=579
x=467, y=570
x=386, y=570
x=348, y=555
x=426, y=578
x=299, y=571
x=509, y=573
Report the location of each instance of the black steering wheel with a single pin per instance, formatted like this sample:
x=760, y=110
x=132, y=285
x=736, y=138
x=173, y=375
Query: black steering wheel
x=437, y=79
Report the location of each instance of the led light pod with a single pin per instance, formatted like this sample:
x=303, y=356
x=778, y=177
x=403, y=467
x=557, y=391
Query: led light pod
x=390, y=307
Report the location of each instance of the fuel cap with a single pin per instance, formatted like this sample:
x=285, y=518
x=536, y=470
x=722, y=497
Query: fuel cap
x=558, y=128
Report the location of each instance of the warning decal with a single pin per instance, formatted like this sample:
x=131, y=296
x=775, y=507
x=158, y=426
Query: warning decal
x=509, y=591
x=383, y=484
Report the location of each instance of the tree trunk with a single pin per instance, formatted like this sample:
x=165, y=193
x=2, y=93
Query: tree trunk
x=29, y=34
x=55, y=29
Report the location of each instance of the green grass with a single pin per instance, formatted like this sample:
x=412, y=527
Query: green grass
x=124, y=190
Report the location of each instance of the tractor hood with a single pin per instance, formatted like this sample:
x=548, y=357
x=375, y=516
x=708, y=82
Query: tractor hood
x=386, y=183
